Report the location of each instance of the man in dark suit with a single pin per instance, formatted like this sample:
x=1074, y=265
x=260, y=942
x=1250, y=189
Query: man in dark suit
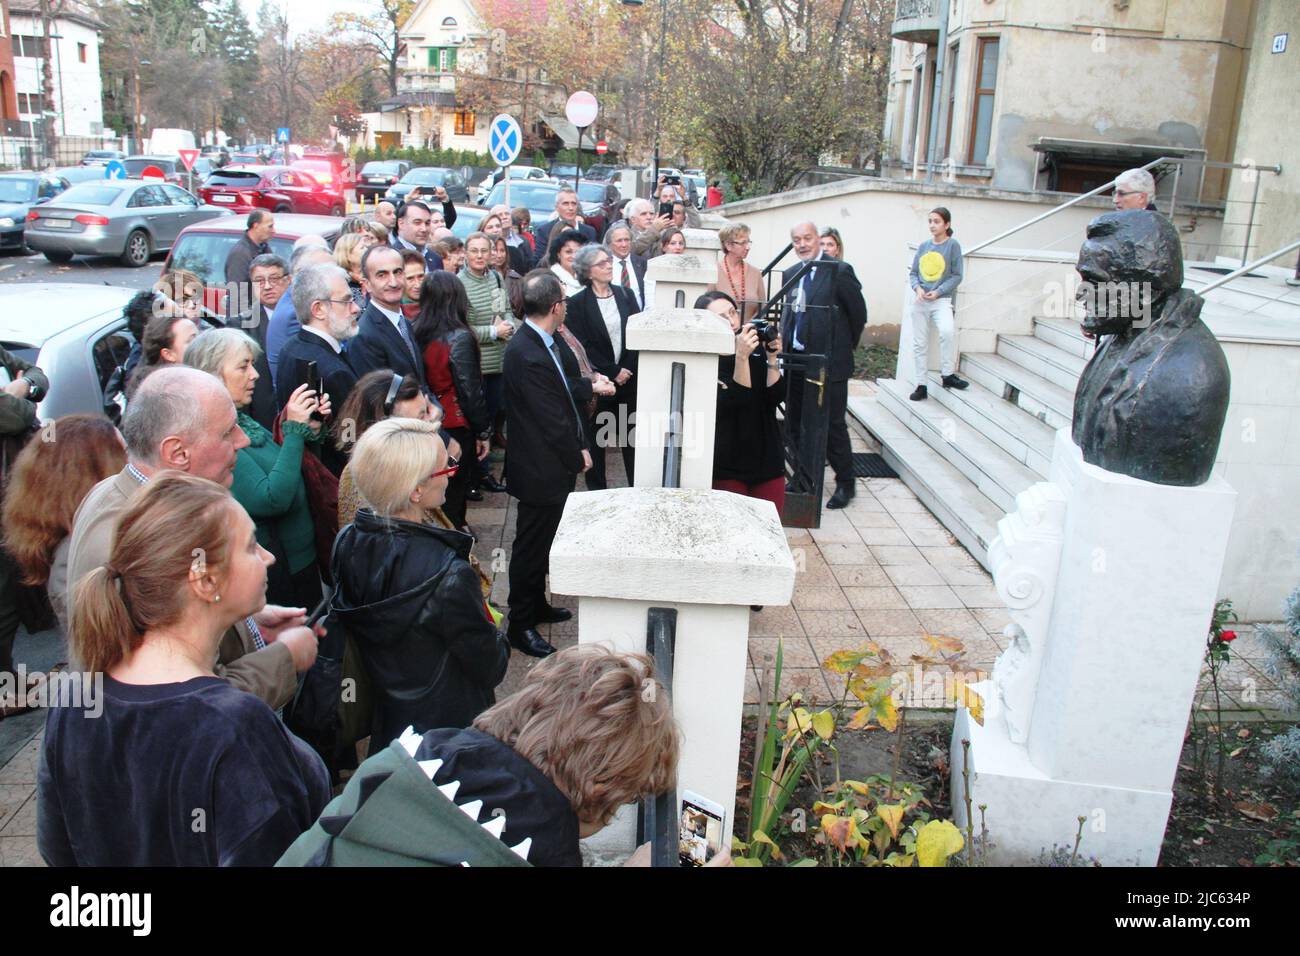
x=629, y=268
x=384, y=338
x=258, y=229
x=566, y=217
x=607, y=351
x=414, y=223
x=824, y=314
x=322, y=296
x=269, y=277
x=547, y=452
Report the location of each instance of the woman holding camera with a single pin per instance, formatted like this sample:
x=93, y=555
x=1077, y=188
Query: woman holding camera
x=747, y=455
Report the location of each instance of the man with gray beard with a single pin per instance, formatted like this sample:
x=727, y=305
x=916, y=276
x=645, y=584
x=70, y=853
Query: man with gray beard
x=320, y=297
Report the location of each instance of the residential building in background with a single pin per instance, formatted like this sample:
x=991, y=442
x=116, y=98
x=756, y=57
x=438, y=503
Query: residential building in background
x=8, y=89
x=76, y=100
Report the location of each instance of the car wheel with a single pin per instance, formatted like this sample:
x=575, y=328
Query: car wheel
x=59, y=257
x=336, y=211
x=138, y=248
x=285, y=209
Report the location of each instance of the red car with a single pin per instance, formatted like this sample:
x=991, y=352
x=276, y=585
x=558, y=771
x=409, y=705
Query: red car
x=241, y=189
x=202, y=248
x=328, y=169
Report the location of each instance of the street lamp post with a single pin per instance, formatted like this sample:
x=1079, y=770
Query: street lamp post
x=58, y=65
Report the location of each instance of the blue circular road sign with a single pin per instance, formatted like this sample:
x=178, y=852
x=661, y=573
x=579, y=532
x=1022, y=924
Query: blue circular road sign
x=505, y=140
x=115, y=170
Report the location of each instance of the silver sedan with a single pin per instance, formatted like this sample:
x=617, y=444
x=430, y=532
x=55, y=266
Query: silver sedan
x=128, y=218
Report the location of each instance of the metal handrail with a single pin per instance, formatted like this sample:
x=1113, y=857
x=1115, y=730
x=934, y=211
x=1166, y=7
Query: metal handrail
x=1178, y=161
x=1294, y=244
x=1055, y=209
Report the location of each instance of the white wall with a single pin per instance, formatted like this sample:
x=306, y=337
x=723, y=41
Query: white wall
x=77, y=93
x=879, y=217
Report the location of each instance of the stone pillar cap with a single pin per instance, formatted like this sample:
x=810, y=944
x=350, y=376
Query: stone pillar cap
x=680, y=330
x=684, y=267
x=678, y=546
x=701, y=239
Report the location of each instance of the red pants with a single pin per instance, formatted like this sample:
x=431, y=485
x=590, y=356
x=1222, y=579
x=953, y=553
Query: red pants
x=772, y=490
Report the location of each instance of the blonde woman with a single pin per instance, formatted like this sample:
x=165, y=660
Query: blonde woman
x=348, y=251
x=736, y=277
x=407, y=594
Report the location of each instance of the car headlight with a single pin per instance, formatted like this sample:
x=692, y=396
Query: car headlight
x=6, y=223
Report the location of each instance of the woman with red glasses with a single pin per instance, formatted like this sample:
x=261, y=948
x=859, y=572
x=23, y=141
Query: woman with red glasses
x=407, y=594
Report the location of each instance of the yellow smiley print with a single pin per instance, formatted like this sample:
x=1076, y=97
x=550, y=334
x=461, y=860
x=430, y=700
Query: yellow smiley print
x=932, y=266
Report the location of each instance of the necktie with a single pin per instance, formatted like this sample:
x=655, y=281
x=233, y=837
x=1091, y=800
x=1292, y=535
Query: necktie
x=405, y=329
x=804, y=284
x=625, y=281
x=555, y=350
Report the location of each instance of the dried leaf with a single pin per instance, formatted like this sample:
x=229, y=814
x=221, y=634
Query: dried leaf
x=936, y=841
x=1243, y=734
x=861, y=717
x=892, y=814
x=824, y=723
x=887, y=714
x=1263, y=812
x=973, y=703
x=941, y=643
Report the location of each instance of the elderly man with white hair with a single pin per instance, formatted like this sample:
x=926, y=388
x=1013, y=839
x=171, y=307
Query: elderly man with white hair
x=1134, y=189
x=646, y=227
x=307, y=251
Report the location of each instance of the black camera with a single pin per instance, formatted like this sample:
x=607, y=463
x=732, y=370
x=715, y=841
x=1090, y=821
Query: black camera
x=768, y=332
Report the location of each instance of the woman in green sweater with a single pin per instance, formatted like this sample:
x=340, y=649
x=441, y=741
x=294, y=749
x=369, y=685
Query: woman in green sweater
x=268, y=477
x=492, y=323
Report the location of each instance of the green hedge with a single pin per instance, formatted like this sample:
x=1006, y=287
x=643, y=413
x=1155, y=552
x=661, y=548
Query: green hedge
x=454, y=158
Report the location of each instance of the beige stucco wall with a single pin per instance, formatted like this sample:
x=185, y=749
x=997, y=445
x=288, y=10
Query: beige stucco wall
x=1270, y=117
x=1160, y=72
x=879, y=217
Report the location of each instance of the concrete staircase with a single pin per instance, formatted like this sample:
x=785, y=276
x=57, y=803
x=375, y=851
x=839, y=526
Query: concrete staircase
x=967, y=454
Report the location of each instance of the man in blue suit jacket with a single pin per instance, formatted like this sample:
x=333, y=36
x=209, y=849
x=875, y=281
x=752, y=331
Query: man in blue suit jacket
x=566, y=215
x=384, y=338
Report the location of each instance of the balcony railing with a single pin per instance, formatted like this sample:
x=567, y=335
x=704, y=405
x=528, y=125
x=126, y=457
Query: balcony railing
x=917, y=20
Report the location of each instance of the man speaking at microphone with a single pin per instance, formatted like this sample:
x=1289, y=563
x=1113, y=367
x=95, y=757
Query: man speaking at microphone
x=825, y=311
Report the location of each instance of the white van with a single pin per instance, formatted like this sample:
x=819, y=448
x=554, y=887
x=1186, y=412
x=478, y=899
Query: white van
x=170, y=142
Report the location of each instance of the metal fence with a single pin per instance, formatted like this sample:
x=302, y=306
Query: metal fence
x=22, y=147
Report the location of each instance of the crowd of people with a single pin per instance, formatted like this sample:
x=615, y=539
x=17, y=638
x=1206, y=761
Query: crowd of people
x=287, y=502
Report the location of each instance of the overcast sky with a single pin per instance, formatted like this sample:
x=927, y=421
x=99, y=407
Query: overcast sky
x=306, y=15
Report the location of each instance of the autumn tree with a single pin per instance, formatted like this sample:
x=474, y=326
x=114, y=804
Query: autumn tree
x=778, y=85
x=380, y=30
x=542, y=51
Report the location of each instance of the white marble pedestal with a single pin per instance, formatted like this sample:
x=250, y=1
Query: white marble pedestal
x=1086, y=711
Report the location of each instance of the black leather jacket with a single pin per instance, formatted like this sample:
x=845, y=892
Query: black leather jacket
x=467, y=371
x=411, y=602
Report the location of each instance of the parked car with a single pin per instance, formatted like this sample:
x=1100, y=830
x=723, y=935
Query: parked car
x=529, y=173
x=217, y=155
x=597, y=201
x=79, y=174
x=172, y=168
x=77, y=334
x=242, y=189
x=427, y=179
x=102, y=157
x=563, y=171
x=468, y=219
x=600, y=173
x=329, y=171
x=246, y=157
x=539, y=197
x=126, y=218
x=19, y=192
x=203, y=247
x=377, y=175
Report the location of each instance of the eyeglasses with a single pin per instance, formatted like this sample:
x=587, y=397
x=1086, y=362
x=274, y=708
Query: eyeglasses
x=269, y=280
x=1126, y=192
x=342, y=301
x=741, y=242
x=453, y=464
x=391, y=400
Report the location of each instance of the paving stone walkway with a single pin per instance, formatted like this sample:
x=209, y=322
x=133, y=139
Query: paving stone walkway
x=883, y=570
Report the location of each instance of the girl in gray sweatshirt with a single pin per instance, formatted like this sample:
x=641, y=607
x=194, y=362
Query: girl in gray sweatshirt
x=935, y=274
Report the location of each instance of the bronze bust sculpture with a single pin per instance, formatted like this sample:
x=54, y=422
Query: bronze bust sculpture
x=1152, y=400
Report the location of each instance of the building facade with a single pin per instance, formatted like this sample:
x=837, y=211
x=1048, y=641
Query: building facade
x=1022, y=94
x=439, y=37
x=76, y=97
x=8, y=90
